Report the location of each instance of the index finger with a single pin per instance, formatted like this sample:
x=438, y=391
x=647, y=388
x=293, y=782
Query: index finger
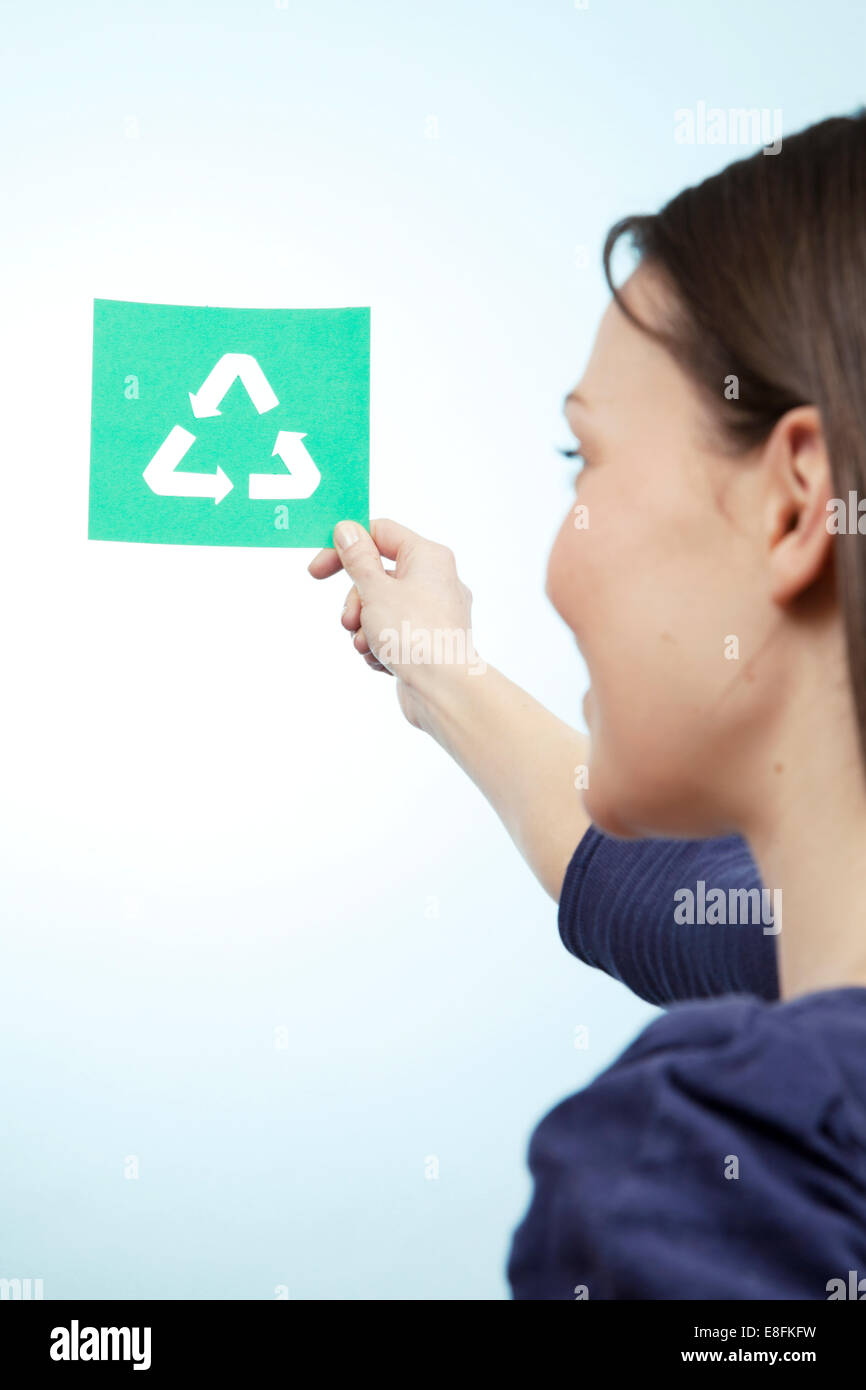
x=327, y=562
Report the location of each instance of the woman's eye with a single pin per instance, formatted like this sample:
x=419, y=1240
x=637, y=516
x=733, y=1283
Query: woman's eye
x=573, y=454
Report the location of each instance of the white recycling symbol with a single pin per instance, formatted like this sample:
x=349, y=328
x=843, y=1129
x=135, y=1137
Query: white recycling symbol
x=164, y=477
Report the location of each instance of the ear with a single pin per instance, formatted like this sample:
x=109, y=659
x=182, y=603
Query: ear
x=799, y=486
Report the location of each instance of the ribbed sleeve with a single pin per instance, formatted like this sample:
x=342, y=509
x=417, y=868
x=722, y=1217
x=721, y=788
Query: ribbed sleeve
x=616, y=912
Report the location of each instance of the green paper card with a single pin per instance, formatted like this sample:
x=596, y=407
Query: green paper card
x=228, y=426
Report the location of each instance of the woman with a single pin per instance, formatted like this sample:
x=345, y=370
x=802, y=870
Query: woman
x=722, y=617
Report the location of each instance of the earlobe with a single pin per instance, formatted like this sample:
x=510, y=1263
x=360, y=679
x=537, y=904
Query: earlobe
x=800, y=499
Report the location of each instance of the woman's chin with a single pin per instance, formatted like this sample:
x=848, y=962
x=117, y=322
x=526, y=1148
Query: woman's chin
x=620, y=806
x=656, y=809
x=603, y=807
x=605, y=816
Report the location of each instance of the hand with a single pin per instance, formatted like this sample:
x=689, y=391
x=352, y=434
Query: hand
x=411, y=622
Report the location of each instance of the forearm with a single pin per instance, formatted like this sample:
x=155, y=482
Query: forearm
x=522, y=757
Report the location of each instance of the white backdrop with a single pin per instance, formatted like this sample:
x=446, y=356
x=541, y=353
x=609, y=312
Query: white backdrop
x=259, y=938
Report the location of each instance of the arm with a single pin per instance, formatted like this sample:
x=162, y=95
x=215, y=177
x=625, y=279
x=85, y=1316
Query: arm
x=520, y=755
x=615, y=896
x=522, y=758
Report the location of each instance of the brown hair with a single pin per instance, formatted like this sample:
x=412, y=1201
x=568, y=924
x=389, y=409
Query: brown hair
x=766, y=262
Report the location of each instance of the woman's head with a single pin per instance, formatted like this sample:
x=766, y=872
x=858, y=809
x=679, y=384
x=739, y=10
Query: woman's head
x=722, y=408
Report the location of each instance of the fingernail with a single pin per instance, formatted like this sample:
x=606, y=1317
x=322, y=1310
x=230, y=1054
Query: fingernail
x=345, y=534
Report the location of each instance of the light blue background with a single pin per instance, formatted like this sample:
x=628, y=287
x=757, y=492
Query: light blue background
x=162, y=704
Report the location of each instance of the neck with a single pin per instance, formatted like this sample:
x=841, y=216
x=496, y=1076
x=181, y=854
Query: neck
x=811, y=844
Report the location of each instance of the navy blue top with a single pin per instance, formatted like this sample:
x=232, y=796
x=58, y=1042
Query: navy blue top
x=723, y=1154
x=616, y=911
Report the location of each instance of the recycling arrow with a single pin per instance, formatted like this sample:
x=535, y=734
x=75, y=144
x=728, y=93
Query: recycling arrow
x=162, y=477
x=231, y=365
x=302, y=478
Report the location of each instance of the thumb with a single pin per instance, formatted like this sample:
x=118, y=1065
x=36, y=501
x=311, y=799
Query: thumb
x=358, y=555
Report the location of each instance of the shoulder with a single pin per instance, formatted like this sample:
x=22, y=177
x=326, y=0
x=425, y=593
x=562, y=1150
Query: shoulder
x=678, y=1171
x=767, y=1062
